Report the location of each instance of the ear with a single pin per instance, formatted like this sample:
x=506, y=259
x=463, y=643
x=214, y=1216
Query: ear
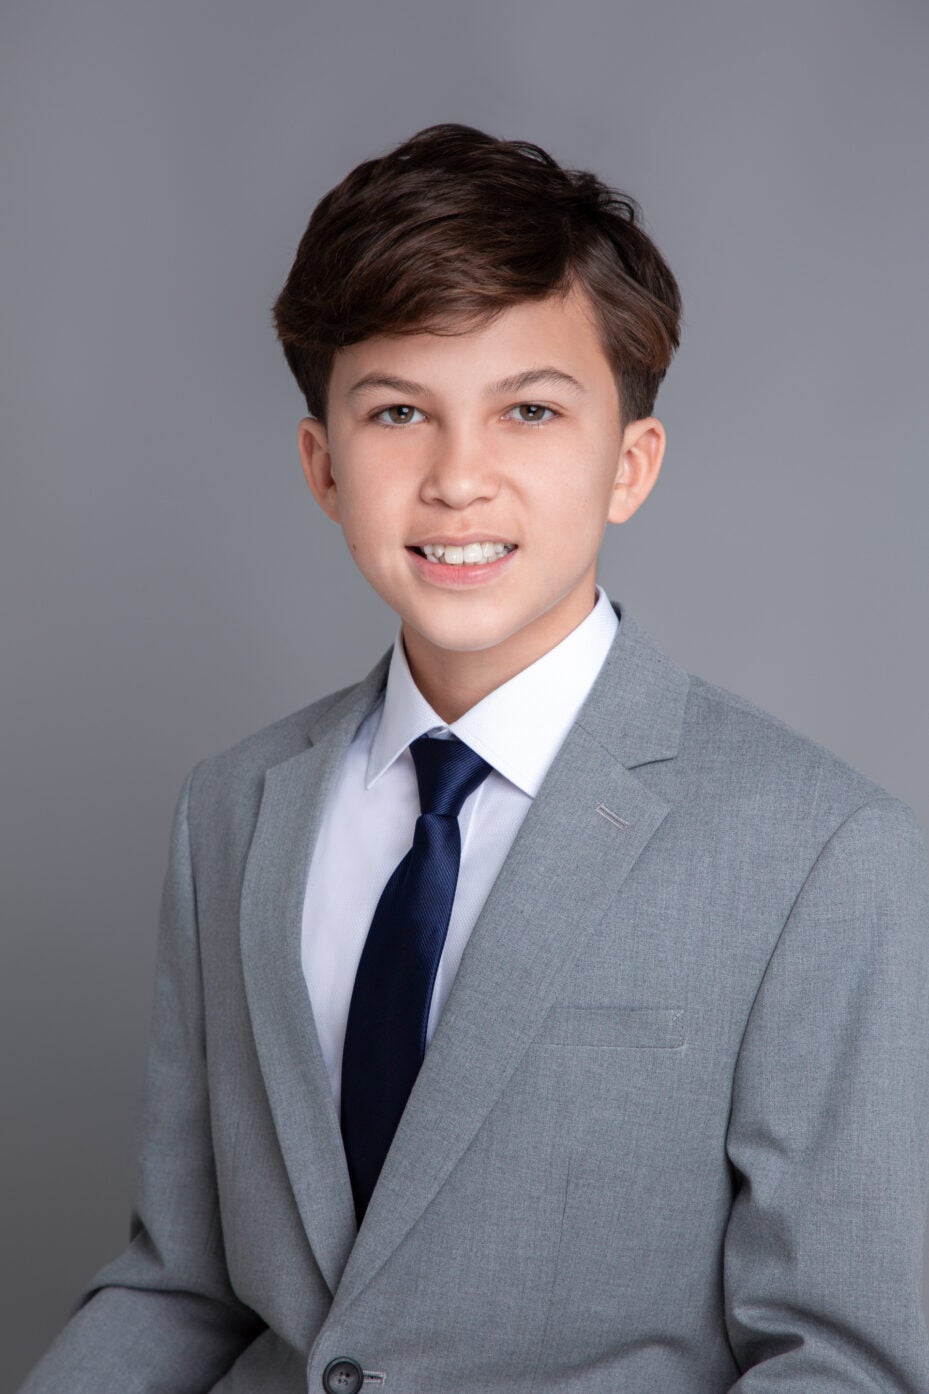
x=313, y=444
x=641, y=453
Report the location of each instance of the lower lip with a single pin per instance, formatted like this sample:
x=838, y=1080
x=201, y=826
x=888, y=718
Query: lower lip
x=440, y=573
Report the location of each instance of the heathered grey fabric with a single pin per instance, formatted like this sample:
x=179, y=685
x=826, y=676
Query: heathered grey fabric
x=671, y=1132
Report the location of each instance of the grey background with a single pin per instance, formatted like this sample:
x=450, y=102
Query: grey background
x=167, y=583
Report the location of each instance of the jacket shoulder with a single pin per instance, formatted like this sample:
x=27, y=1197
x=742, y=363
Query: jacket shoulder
x=244, y=763
x=762, y=754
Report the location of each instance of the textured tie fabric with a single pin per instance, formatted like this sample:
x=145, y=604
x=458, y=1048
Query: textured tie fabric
x=385, y=1038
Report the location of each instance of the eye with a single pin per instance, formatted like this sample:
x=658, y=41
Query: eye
x=536, y=408
x=398, y=407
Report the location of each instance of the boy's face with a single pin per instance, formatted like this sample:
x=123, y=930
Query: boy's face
x=456, y=450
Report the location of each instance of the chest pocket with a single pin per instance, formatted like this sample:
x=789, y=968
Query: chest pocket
x=607, y=1027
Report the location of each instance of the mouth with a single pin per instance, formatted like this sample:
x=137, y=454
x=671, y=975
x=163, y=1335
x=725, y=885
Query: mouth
x=458, y=566
x=466, y=554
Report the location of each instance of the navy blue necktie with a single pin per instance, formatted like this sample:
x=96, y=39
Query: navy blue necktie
x=385, y=1039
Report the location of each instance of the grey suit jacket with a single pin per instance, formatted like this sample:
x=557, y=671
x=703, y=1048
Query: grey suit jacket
x=670, y=1136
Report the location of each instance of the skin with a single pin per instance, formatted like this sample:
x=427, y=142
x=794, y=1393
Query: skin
x=453, y=458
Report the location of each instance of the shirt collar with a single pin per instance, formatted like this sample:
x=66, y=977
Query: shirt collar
x=520, y=726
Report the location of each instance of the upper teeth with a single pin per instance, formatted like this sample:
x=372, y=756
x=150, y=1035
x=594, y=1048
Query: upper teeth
x=470, y=553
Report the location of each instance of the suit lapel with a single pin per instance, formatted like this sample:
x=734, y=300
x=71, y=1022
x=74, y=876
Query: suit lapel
x=271, y=913
x=582, y=836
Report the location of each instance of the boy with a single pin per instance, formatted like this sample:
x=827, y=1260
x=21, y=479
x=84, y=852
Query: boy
x=532, y=1015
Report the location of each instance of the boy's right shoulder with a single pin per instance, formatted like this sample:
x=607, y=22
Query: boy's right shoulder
x=241, y=767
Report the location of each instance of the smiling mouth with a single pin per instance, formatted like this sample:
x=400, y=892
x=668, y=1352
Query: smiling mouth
x=471, y=554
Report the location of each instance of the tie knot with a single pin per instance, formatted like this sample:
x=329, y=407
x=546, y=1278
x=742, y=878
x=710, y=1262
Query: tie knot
x=447, y=771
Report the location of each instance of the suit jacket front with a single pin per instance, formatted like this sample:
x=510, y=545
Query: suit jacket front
x=670, y=1136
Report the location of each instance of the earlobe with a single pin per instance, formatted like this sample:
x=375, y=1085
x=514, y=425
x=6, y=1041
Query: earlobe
x=640, y=458
x=316, y=460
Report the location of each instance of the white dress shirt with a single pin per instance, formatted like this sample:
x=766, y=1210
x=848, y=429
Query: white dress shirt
x=367, y=827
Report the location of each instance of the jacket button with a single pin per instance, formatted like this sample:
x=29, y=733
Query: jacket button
x=343, y=1376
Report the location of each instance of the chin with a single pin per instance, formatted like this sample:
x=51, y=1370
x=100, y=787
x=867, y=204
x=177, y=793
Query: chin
x=465, y=637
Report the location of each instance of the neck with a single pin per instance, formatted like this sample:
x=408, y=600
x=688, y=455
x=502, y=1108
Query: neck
x=453, y=681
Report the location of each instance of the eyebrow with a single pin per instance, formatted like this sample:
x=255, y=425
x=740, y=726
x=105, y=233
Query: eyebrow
x=517, y=382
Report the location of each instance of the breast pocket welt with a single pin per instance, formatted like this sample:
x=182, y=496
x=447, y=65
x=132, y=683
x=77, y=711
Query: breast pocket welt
x=608, y=1027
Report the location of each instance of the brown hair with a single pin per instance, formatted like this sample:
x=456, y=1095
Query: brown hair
x=452, y=227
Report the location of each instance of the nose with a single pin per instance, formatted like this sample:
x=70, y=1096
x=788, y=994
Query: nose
x=461, y=470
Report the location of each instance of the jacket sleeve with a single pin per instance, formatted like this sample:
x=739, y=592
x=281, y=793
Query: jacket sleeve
x=829, y=1133
x=162, y=1316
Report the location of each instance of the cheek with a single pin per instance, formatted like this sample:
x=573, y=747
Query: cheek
x=363, y=505
x=576, y=504
x=375, y=529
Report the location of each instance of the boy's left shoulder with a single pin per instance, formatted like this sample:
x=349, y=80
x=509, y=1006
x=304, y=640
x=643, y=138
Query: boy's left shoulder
x=732, y=744
x=732, y=759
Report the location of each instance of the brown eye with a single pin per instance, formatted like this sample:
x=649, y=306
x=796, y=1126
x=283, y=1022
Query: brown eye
x=534, y=413
x=398, y=415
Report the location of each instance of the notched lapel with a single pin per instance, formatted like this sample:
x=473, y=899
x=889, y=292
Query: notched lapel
x=271, y=916
x=567, y=864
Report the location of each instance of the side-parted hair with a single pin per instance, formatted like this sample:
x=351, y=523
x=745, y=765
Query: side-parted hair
x=452, y=227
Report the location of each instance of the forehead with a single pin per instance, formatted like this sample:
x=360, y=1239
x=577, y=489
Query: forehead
x=556, y=332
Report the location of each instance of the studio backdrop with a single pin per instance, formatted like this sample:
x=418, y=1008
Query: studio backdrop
x=165, y=575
